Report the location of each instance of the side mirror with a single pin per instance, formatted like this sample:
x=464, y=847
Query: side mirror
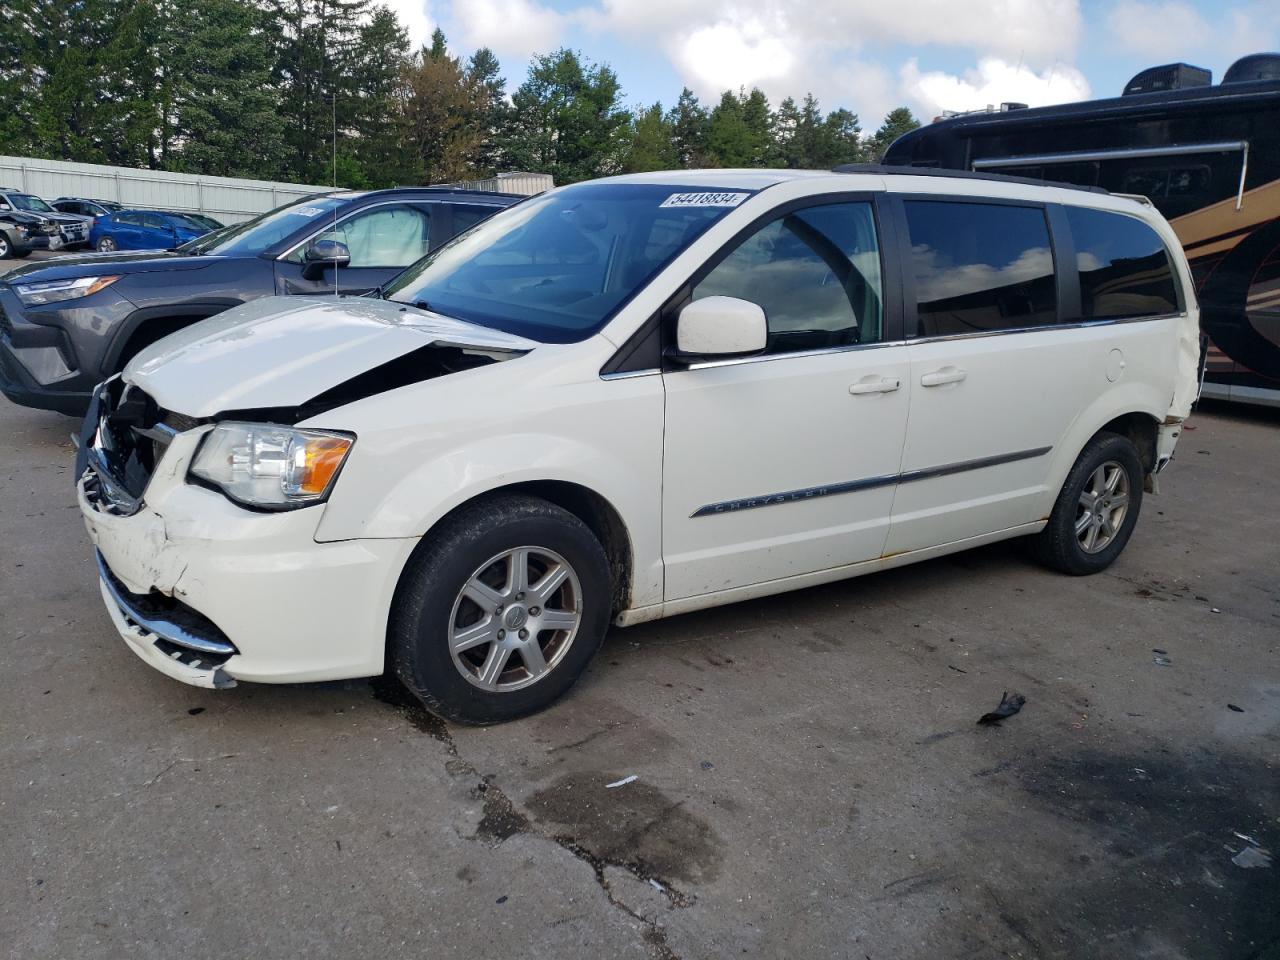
x=720, y=327
x=324, y=253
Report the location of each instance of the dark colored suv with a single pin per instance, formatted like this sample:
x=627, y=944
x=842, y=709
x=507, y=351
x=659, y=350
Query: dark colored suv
x=68, y=324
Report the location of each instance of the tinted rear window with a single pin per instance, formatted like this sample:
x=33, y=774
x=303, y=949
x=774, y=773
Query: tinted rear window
x=1124, y=266
x=980, y=267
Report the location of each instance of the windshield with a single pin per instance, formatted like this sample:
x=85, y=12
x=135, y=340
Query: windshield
x=24, y=201
x=252, y=237
x=557, y=267
x=187, y=223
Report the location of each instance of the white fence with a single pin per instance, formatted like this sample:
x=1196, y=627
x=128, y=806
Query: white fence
x=226, y=198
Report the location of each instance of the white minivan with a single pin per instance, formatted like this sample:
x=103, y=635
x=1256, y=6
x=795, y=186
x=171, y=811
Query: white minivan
x=632, y=398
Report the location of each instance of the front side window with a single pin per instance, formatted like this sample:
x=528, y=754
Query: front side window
x=816, y=274
x=980, y=267
x=558, y=266
x=1124, y=266
x=381, y=237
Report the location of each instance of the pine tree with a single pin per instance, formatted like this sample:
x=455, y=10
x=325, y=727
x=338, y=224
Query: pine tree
x=899, y=121
x=566, y=120
x=485, y=75
x=224, y=112
x=652, y=143
x=689, y=121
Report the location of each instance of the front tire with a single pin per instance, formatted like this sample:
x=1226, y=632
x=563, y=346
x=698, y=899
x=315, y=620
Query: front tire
x=1096, y=510
x=499, y=611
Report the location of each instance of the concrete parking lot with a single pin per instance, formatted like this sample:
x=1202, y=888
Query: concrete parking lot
x=811, y=780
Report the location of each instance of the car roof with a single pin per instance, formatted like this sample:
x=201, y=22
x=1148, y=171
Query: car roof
x=455, y=192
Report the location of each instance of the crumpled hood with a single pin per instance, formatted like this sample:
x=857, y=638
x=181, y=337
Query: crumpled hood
x=283, y=351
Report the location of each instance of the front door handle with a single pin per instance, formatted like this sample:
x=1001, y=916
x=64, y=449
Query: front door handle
x=945, y=375
x=883, y=385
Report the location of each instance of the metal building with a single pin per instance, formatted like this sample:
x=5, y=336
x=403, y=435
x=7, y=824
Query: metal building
x=229, y=199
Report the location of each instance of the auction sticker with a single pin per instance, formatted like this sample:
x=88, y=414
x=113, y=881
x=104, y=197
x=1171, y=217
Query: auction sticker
x=704, y=199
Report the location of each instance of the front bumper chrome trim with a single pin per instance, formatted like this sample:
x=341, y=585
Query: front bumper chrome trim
x=164, y=629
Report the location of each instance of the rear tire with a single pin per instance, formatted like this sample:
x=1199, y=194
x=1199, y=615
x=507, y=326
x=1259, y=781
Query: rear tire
x=499, y=611
x=1096, y=510
x=106, y=245
x=6, y=247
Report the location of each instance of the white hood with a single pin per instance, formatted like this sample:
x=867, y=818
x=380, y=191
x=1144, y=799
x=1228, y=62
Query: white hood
x=283, y=351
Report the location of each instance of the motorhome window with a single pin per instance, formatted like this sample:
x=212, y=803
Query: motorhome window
x=980, y=267
x=1124, y=267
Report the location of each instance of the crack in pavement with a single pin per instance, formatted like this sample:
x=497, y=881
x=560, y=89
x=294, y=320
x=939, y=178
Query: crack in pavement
x=501, y=819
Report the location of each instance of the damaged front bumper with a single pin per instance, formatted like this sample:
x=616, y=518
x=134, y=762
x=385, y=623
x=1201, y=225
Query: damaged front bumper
x=210, y=593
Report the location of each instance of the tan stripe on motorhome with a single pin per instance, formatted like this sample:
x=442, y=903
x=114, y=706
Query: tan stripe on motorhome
x=1260, y=205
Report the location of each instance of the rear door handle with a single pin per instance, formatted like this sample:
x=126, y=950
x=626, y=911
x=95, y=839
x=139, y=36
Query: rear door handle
x=883, y=385
x=945, y=375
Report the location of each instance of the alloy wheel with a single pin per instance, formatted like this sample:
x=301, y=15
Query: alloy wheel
x=515, y=618
x=1104, y=502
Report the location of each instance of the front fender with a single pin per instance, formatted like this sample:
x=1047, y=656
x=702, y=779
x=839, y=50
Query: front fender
x=401, y=480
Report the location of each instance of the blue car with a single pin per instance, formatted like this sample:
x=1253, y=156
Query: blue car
x=143, y=230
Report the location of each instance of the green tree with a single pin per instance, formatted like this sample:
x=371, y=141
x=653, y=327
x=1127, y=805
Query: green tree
x=317, y=43
x=652, y=143
x=899, y=121
x=223, y=108
x=689, y=122
x=740, y=131
x=485, y=74
x=566, y=120
x=377, y=138
x=444, y=114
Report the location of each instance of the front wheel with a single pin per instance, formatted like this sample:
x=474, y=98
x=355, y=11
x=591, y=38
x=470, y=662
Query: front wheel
x=106, y=245
x=500, y=610
x=1097, y=509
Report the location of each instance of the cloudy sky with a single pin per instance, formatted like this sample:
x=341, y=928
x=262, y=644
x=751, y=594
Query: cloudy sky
x=867, y=55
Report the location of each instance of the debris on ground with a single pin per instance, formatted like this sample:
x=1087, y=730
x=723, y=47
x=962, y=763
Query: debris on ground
x=1234, y=708
x=1251, y=858
x=1009, y=705
x=1162, y=660
x=707, y=764
x=623, y=782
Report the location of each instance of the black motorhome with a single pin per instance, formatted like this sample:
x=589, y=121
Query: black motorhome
x=1208, y=157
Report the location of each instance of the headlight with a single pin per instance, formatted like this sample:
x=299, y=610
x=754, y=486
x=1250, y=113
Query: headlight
x=270, y=467
x=51, y=291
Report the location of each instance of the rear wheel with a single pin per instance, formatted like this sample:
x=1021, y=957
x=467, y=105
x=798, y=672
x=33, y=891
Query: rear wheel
x=499, y=612
x=106, y=245
x=6, y=247
x=1097, y=509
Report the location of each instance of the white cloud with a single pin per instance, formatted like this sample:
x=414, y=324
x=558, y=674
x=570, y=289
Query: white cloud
x=825, y=47
x=732, y=54
x=1173, y=30
x=512, y=28
x=993, y=81
x=415, y=16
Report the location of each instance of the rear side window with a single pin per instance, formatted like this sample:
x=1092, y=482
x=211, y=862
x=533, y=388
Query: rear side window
x=980, y=267
x=1124, y=266
x=129, y=219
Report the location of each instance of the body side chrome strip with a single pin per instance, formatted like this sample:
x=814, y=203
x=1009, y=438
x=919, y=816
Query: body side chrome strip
x=868, y=483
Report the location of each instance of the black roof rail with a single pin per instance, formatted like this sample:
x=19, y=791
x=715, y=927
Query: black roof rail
x=896, y=171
